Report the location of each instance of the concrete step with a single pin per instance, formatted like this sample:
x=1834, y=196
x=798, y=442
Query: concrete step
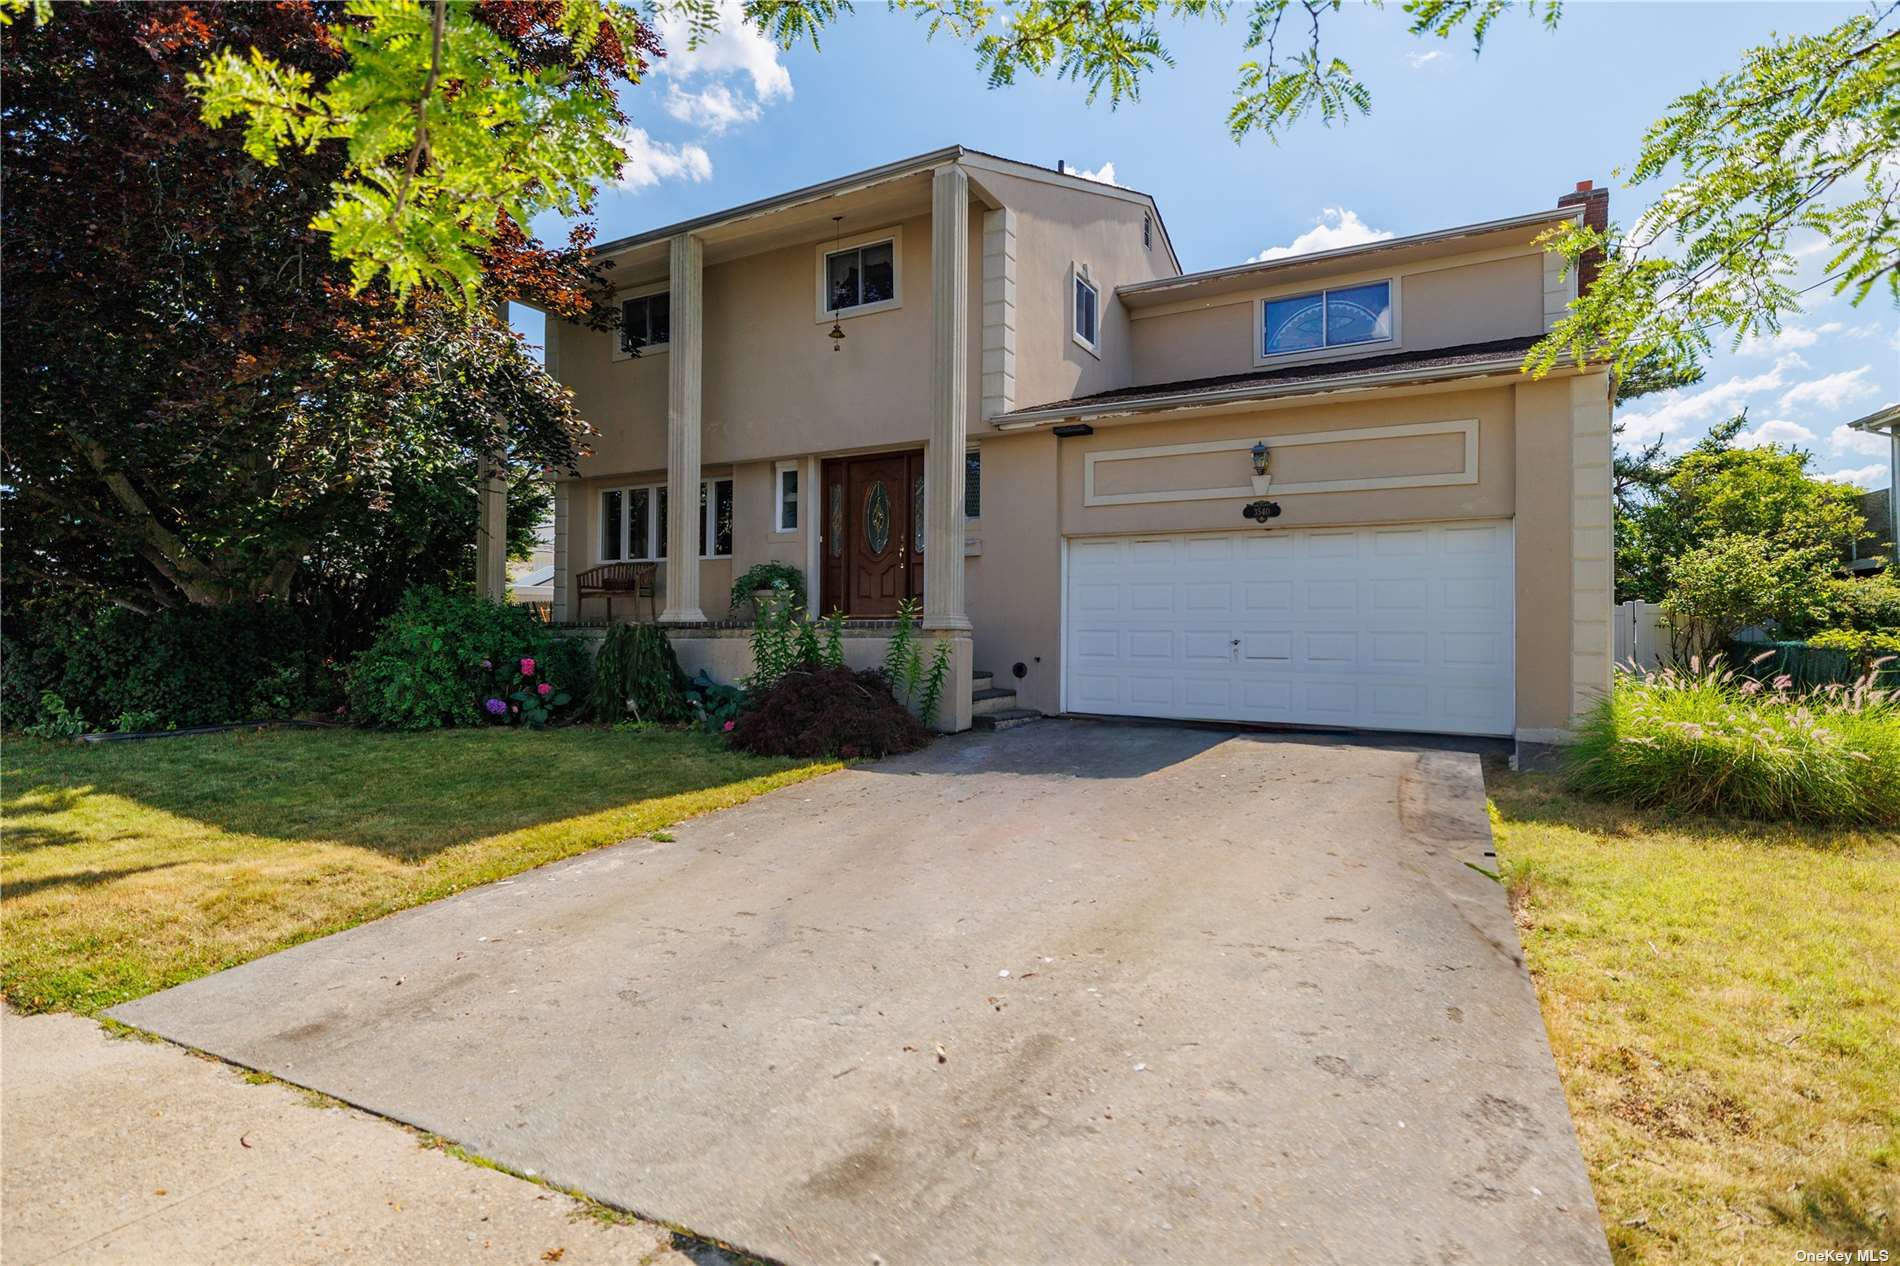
x=991, y=700
x=981, y=680
x=1005, y=720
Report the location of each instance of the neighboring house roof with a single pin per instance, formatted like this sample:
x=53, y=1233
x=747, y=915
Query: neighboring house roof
x=1500, y=354
x=974, y=158
x=1886, y=418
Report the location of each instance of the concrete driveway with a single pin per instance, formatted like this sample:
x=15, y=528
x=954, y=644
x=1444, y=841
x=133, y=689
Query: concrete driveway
x=1075, y=993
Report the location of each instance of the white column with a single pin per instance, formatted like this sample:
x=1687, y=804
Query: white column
x=949, y=399
x=682, y=433
x=491, y=534
x=563, y=510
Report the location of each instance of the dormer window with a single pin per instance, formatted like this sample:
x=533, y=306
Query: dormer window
x=1327, y=318
x=646, y=323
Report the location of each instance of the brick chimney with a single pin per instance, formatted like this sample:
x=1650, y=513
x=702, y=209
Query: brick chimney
x=1596, y=215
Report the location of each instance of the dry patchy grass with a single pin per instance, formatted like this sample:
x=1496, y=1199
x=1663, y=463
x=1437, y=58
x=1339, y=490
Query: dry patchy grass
x=1724, y=1003
x=129, y=867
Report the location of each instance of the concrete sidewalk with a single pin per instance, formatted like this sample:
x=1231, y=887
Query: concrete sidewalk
x=121, y=1150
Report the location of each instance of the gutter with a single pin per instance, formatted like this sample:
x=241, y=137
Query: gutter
x=1030, y=418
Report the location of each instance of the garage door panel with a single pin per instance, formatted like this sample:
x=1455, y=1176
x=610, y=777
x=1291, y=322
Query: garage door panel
x=1397, y=627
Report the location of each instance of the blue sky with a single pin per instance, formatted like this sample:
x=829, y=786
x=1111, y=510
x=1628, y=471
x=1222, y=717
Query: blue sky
x=1451, y=139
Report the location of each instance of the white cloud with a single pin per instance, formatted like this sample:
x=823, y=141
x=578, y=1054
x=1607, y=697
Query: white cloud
x=736, y=48
x=1830, y=392
x=1682, y=414
x=1778, y=431
x=1845, y=439
x=712, y=110
x=1869, y=477
x=1419, y=60
x=1103, y=175
x=1786, y=339
x=649, y=161
x=1333, y=228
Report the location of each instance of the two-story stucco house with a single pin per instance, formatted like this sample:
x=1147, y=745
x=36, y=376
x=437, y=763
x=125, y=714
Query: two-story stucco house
x=988, y=386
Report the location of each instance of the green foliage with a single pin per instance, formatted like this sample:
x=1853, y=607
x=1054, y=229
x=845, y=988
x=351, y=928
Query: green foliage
x=1870, y=650
x=56, y=721
x=636, y=674
x=784, y=579
x=1800, y=139
x=437, y=660
x=900, y=652
x=1714, y=742
x=717, y=706
x=1871, y=604
x=1734, y=582
x=174, y=668
x=441, y=111
x=831, y=654
x=806, y=649
x=935, y=679
x=775, y=646
x=1715, y=490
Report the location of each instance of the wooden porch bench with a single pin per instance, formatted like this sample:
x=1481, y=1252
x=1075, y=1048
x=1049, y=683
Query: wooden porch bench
x=609, y=580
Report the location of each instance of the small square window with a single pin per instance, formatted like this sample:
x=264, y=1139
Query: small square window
x=1086, y=300
x=646, y=322
x=787, y=493
x=861, y=276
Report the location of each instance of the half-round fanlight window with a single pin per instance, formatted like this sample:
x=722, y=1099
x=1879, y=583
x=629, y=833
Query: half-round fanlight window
x=877, y=518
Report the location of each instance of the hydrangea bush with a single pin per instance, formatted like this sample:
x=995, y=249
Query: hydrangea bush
x=1710, y=740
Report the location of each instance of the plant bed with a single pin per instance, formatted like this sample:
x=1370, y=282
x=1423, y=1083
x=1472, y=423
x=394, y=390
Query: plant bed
x=816, y=710
x=1708, y=740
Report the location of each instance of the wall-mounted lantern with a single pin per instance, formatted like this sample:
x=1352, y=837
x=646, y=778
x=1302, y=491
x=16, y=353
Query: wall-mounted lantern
x=1259, y=457
x=1262, y=464
x=836, y=333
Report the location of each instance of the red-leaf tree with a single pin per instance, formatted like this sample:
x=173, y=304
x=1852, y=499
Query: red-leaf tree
x=198, y=409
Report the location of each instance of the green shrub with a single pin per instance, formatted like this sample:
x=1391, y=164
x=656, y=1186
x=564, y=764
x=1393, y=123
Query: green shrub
x=1872, y=651
x=171, y=668
x=441, y=657
x=1712, y=741
x=1870, y=604
x=636, y=674
x=818, y=711
x=780, y=576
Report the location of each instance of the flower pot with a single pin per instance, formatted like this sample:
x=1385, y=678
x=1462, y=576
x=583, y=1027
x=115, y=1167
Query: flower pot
x=767, y=603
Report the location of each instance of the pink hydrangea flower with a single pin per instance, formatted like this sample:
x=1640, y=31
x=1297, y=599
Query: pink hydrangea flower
x=544, y=690
x=728, y=725
x=527, y=667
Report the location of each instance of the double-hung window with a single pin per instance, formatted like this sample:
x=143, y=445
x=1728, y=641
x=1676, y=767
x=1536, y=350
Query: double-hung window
x=1086, y=310
x=646, y=323
x=859, y=278
x=1327, y=318
x=633, y=522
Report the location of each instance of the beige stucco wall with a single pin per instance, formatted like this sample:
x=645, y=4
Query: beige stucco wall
x=1057, y=227
x=1013, y=586
x=1439, y=305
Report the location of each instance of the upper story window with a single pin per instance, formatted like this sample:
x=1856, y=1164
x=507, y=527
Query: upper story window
x=1086, y=311
x=1147, y=230
x=1327, y=318
x=646, y=323
x=861, y=277
x=973, y=484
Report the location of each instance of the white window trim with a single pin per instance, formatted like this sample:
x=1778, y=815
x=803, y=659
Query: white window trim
x=1079, y=273
x=895, y=236
x=778, y=495
x=653, y=492
x=1261, y=356
x=639, y=292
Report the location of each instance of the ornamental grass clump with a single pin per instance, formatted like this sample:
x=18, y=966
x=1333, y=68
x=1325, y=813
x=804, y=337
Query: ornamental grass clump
x=1709, y=740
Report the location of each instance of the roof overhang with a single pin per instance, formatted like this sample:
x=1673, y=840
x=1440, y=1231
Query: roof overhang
x=1503, y=370
x=1886, y=418
x=1515, y=231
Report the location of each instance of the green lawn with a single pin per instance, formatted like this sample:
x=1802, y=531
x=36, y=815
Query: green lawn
x=128, y=867
x=1724, y=1004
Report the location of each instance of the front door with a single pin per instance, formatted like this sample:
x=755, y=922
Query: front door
x=869, y=537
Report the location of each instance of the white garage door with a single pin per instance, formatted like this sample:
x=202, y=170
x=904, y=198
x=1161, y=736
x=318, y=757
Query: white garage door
x=1405, y=627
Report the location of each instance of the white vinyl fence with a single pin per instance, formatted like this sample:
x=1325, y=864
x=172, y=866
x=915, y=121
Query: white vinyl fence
x=1642, y=638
